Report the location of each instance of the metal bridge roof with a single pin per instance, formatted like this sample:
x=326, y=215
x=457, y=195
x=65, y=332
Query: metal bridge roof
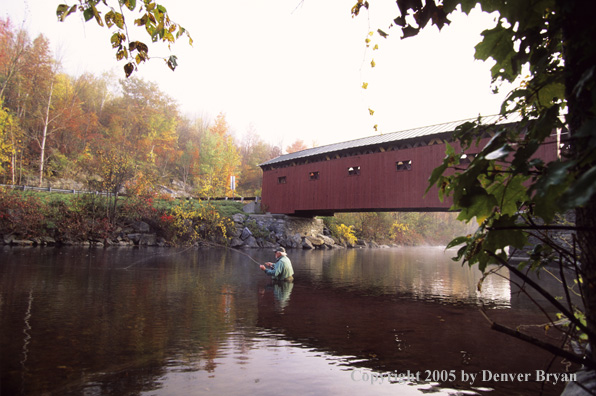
x=381, y=138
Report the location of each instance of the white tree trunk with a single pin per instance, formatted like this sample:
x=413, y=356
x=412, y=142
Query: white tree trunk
x=45, y=134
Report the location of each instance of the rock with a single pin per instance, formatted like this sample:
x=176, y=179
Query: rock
x=307, y=244
x=245, y=234
x=236, y=242
x=315, y=241
x=238, y=218
x=361, y=243
x=267, y=244
x=8, y=239
x=328, y=241
x=148, y=240
x=21, y=242
x=141, y=227
x=134, y=238
x=251, y=242
x=48, y=240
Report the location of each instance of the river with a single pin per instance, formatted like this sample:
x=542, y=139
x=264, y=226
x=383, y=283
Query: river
x=163, y=321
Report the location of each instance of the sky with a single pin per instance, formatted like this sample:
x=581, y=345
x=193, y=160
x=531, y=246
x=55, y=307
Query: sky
x=293, y=69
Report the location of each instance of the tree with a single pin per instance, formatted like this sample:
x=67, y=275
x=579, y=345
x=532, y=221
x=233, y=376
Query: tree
x=298, y=145
x=253, y=151
x=512, y=194
x=6, y=144
x=153, y=17
x=219, y=160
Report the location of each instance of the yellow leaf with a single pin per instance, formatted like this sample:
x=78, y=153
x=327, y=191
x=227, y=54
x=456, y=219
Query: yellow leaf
x=371, y=111
x=376, y=128
x=376, y=47
x=364, y=85
x=372, y=63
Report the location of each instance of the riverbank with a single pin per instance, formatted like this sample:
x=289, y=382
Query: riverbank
x=248, y=231
x=43, y=219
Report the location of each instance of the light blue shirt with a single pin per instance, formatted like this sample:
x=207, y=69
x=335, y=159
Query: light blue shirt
x=282, y=269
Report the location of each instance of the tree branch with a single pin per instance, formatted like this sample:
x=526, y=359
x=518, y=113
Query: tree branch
x=541, y=344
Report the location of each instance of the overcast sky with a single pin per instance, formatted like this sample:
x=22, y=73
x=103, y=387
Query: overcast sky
x=294, y=70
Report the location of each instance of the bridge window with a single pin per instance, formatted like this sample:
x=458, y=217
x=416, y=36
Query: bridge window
x=281, y=180
x=403, y=165
x=313, y=176
x=353, y=170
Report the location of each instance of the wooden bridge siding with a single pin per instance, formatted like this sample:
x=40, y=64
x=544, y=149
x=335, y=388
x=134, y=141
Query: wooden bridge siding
x=379, y=185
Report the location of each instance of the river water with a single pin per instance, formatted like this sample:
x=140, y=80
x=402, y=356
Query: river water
x=152, y=321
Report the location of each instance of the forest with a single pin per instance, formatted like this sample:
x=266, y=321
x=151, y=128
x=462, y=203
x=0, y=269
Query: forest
x=108, y=133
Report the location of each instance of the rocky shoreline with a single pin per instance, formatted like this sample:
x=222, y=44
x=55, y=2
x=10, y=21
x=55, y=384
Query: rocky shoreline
x=251, y=231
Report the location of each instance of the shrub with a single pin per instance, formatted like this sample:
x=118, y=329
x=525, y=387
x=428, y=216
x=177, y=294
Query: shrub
x=20, y=213
x=344, y=233
x=192, y=223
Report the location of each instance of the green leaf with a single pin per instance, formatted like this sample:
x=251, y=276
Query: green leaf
x=509, y=195
x=475, y=203
x=130, y=4
x=457, y=241
x=109, y=18
x=498, y=45
x=64, y=10
x=88, y=14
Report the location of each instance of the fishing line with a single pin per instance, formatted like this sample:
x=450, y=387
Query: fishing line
x=190, y=247
x=235, y=250
x=153, y=257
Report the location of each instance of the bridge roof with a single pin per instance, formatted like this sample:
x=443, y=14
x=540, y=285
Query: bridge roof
x=381, y=139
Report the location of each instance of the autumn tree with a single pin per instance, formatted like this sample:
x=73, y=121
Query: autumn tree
x=143, y=122
x=6, y=142
x=298, y=145
x=219, y=160
x=253, y=151
x=512, y=194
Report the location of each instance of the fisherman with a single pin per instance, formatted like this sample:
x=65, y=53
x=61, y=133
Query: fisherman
x=282, y=268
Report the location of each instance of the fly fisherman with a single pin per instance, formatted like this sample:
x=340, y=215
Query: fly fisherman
x=282, y=268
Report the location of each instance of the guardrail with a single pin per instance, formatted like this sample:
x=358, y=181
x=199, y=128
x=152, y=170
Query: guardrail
x=73, y=191
x=51, y=189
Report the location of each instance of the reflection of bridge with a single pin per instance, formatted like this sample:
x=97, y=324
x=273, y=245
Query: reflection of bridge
x=379, y=173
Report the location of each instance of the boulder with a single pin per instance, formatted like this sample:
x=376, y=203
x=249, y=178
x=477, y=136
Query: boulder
x=148, y=240
x=328, y=241
x=48, y=240
x=238, y=218
x=236, y=242
x=245, y=234
x=251, y=242
x=141, y=227
x=315, y=241
x=307, y=244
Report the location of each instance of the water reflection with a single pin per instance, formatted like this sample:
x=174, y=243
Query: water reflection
x=420, y=273
x=75, y=321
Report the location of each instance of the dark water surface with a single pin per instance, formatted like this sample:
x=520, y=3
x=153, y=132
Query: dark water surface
x=77, y=321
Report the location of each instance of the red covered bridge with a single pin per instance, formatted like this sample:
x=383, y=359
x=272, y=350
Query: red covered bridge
x=379, y=173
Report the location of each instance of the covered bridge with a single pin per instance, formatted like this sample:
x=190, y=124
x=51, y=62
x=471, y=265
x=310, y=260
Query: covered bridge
x=386, y=172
